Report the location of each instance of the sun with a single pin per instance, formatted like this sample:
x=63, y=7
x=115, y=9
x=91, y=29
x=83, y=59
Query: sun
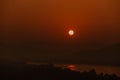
x=71, y=32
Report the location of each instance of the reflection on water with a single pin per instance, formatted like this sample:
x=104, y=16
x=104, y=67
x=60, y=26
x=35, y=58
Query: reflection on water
x=72, y=67
x=99, y=69
x=82, y=68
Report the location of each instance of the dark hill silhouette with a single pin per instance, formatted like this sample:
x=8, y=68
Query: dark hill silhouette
x=23, y=71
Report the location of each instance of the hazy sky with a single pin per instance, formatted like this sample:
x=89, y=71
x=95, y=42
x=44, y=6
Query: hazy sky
x=40, y=27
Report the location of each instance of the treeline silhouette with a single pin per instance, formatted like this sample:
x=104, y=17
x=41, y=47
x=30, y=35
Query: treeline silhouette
x=22, y=71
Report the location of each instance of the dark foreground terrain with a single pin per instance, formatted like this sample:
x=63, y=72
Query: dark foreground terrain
x=14, y=71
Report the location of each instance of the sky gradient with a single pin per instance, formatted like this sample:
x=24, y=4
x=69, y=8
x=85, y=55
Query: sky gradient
x=36, y=30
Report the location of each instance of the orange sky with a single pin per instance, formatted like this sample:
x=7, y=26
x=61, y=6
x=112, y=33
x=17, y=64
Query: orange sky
x=96, y=20
x=43, y=24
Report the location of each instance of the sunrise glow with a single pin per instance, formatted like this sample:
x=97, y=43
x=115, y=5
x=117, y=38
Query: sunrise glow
x=71, y=32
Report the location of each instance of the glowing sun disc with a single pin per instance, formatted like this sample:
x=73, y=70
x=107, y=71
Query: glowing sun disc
x=71, y=32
